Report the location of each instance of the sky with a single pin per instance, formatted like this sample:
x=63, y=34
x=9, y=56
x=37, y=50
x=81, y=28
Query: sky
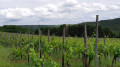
x=54, y=12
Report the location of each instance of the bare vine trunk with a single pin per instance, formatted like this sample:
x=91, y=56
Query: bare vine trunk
x=113, y=60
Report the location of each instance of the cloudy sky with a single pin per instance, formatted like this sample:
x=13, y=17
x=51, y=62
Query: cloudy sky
x=53, y=12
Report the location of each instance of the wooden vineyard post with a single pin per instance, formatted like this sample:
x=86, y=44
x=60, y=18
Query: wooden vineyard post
x=39, y=45
x=63, y=48
x=17, y=40
x=40, y=52
x=11, y=36
x=21, y=43
x=5, y=36
x=11, y=39
x=33, y=36
x=0, y=35
x=86, y=47
x=96, y=43
x=25, y=37
x=48, y=35
x=104, y=40
x=8, y=37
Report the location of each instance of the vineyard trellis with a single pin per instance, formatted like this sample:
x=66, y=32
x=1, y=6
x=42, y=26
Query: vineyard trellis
x=40, y=49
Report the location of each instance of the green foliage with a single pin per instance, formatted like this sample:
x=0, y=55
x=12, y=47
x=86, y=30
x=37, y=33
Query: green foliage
x=14, y=29
x=114, y=50
x=73, y=47
x=77, y=30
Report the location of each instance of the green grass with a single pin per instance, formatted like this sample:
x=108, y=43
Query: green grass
x=5, y=61
x=4, y=53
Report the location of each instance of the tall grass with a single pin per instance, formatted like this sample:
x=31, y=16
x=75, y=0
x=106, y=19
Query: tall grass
x=5, y=61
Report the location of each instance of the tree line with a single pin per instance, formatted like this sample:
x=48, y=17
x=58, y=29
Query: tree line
x=72, y=30
x=14, y=29
x=77, y=30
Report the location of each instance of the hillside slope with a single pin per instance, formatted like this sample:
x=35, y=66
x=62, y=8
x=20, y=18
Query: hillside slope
x=38, y=26
x=112, y=24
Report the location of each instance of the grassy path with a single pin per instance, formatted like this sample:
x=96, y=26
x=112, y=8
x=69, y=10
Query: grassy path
x=4, y=53
x=4, y=60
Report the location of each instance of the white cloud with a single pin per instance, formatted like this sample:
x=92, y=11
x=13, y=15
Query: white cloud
x=58, y=11
x=53, y=7
x=16, y=13
x=115, y=7
x=68, y=10
x=70, y=3
x=93, y=7
x=42, y=11
x=99, y=6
